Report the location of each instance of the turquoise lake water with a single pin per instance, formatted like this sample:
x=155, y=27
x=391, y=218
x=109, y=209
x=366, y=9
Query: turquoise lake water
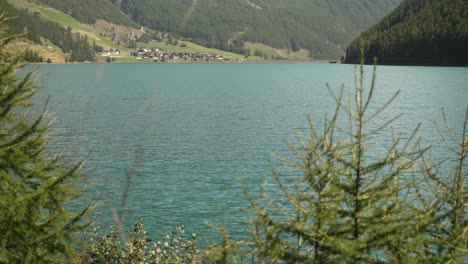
x=166, y=141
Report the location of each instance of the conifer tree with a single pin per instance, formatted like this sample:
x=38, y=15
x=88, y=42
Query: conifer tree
x=445, y=238
x=35, y=225
x=352, y=201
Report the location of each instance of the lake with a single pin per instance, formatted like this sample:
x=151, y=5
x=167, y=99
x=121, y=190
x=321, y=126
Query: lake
x=164, y=142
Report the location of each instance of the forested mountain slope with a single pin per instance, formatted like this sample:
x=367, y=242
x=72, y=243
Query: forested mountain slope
x=418, y=32
x=323, y=27
x=43, y=32
x=87, y=11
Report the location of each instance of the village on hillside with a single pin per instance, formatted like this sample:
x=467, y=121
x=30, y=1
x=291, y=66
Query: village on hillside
x=161, y=55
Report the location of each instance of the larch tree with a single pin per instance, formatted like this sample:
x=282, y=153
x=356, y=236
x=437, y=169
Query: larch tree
x=445, y=238
x=352, y=201
x=35, y=224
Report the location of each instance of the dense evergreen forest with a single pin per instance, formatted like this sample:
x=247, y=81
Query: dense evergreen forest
x=87, y=11
x=38, y=30
x=323, y=27
x=418, y=32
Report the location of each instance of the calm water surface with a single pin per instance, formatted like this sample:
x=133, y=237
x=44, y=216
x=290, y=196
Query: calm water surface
x=174, y=136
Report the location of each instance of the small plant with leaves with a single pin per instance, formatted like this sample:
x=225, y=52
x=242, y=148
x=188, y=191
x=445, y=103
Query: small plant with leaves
x=113, y=247
x=103, y=249
x=176, y=248
x=228, y=251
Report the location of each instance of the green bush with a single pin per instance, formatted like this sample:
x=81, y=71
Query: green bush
x=113, y=247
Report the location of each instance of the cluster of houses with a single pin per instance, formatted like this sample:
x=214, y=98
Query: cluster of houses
x=110, y=52
x=157, y=54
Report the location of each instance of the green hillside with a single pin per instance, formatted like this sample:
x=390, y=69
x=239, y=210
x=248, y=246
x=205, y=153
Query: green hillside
x=46, y=26
x=87, y=11
x=323, y=27
x=418, y=32
x=46, y=33
x=256, y=29
x=65, y=20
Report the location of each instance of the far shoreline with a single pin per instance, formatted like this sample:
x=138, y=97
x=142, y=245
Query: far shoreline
x=332, y=62
x=189, y=62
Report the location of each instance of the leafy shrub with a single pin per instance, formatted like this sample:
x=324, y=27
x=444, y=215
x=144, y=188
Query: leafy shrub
x=111, y=248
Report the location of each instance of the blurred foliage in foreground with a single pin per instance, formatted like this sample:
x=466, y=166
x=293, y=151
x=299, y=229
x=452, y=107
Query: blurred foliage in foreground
x=35, y=225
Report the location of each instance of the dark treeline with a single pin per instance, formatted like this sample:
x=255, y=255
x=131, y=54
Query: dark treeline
x=418, y=32
x=323, y=27
x=37, y=29
x=87, y=11
x=32, y=56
